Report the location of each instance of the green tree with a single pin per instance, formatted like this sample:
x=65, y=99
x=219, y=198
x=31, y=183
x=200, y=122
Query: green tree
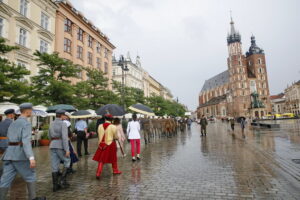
x=93, y=93
x=131, y=95
x=52, y=85
x=13, y=86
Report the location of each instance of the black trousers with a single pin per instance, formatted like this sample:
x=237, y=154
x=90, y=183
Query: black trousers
x=81, y=137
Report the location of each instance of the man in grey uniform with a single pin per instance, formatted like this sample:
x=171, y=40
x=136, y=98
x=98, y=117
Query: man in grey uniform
x=59, y=150
x=10, y=115
x=18, y=157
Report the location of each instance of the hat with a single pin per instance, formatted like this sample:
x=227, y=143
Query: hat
x=61, y=112
x=26, y=106
x=9, y=111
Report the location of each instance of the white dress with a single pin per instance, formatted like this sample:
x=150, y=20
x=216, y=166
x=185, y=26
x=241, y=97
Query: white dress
x=133, y=130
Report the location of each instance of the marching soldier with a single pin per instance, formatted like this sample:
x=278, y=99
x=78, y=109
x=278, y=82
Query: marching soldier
x=18, y=157
x=10, y=115
x=59, y=150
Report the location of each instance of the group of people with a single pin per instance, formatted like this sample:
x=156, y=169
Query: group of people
x=18, y=157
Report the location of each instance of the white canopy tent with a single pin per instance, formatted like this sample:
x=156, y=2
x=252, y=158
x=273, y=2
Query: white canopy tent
x=7, y=105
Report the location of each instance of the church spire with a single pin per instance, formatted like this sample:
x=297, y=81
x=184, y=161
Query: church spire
x=233, y=36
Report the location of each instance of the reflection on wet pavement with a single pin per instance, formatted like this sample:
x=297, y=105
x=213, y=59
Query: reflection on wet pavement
x=189, y=166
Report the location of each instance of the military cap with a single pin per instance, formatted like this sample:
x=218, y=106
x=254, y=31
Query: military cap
x=9, y=111
x=61, y=112
x=26, y=106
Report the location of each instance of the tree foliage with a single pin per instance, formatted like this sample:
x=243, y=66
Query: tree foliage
x=93, y=93
x=13, y=86
x=52, y=85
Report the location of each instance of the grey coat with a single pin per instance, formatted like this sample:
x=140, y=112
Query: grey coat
x=19, y=131
x=59, y=129
x=3, y=132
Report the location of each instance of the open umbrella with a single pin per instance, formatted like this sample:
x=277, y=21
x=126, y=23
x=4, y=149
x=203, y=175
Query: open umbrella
x=81, y=114
x=142, y=109
x=112, y=109
x=68, y=108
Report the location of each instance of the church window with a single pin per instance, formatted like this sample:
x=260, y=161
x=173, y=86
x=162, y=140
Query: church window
x=259, y=61
x=240, y=63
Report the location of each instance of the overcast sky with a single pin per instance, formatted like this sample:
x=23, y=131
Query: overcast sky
x=183, y=42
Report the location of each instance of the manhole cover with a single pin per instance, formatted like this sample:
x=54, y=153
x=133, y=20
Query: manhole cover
x=297, y=161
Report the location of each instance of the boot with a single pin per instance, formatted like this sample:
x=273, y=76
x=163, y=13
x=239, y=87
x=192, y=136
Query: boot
x=115, y=168
x=99, y=170
x=3, y=193
x=64, y=182
x=40, y=198
x=55, y=181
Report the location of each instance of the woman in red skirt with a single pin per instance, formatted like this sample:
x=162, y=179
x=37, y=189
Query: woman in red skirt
x=107, y=149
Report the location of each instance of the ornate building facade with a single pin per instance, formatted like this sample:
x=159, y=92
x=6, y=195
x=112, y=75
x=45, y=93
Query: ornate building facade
x=241, y=90
x=80, y=41
x=29, y=25
x=138, y=77
x=292, y=94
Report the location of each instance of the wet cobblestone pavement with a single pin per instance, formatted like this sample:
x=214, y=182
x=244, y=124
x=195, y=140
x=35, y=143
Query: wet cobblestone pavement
x=189, y=167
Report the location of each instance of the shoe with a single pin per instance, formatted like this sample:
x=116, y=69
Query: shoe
x=55, y=181
x=79, y=155
x=138, y=157
x=133, y=159
x=87, y=153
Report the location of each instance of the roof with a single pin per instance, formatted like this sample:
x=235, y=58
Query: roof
x=216, y=81
x=214, y=101
x=277, y=96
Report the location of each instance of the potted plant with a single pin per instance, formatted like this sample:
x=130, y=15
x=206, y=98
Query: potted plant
x=44, y=141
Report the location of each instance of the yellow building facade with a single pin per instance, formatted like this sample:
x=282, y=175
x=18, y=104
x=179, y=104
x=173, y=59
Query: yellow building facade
x=29, y=25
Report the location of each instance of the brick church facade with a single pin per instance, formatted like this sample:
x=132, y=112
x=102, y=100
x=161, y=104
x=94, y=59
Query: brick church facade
x=241, y=90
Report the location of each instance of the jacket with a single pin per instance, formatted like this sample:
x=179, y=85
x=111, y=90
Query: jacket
x=19, y=131
x=58, y=129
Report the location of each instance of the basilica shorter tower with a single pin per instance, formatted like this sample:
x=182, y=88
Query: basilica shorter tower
x=241, y=90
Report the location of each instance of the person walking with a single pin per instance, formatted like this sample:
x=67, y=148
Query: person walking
x=59, y=150
x=243, y=125
x=19, y=157
x=120, y=132
x=232, y=123
x=82, y=134
x=107, y=148
x=133, y=131
x=73, y=154
x=10, y=115
x=203, y=124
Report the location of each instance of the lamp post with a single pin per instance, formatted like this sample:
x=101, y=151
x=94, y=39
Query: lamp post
x=123, y=64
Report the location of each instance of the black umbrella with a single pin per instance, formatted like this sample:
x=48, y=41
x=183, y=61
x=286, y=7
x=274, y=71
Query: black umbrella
x=81, y=114
x=140, y=108
x=112, y=109
x=68, y=108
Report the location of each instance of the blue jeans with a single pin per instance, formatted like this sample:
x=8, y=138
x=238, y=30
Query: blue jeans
x=58, y=156
x=10, y=170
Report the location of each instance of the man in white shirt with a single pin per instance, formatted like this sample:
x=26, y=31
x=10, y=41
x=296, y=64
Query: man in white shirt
x=82, y=131
x=133, y=131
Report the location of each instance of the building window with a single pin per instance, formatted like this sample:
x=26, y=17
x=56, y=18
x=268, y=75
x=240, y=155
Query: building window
x=98, y=47
x=90, y=58
x=114, y=72
x=105, y=67
x=44, y=21
x=80, y=34
x=23, y=7
x=259, y=61
x=90, y=41
x=67, y=45
x=44, y=46
x=68, y=25
x=98, y=63
x=23, y=37
x=106, y=53
x=80, y=52
x=1, y=27
x=249, y=63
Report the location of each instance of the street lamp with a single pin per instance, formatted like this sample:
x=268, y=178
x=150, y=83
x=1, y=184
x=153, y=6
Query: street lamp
x=123, y=64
